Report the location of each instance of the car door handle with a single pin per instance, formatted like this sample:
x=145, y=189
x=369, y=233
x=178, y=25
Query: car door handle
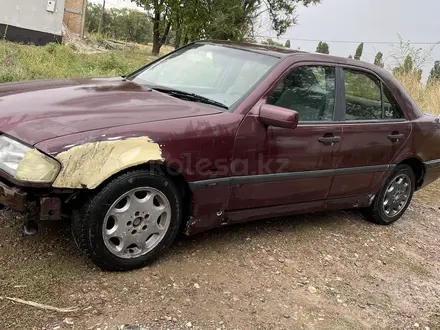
x=396, y=137
x=329, y=139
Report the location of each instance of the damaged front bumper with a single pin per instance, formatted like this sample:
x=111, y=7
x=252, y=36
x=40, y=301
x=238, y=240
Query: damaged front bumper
x=14, y=198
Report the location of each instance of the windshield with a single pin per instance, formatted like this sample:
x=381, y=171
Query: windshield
x=221, y=74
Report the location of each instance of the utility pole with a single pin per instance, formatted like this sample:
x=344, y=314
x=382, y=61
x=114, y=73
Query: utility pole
x=83, y=18
x=101, y=20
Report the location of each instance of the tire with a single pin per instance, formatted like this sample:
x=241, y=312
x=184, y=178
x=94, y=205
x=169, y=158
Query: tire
x=92, y=237
x=377, y=212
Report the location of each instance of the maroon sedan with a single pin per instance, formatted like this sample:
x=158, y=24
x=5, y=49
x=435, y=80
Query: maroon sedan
x=211, y=134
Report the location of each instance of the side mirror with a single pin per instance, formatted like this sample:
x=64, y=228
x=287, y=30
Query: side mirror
x=271, y=115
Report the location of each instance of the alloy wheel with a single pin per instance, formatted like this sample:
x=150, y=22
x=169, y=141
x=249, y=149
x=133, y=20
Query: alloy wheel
x=397, y=195
x=136, y=222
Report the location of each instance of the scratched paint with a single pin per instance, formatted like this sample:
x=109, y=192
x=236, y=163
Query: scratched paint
x=89, y=164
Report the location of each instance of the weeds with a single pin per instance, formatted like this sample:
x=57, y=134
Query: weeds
x=427, y=96
x=20, y=62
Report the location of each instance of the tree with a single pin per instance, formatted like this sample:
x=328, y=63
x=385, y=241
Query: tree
x=322, y=48
x=408, y=68
x=378, y=60
x=409, y=59
x=216, y=19
x=359, y=51
x=435, y=73
x=124, y=24
x=405, y=49
x=287, y=44
x=161, y=11
x=350, y=56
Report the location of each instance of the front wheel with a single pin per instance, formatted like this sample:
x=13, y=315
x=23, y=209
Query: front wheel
x=394, y=197
x=129, y=222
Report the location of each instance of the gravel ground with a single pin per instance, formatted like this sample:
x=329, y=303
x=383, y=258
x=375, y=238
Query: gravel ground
x=320, y=271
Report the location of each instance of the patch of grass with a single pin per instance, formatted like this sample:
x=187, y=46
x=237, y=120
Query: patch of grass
x=418, y=269
x=24, y=62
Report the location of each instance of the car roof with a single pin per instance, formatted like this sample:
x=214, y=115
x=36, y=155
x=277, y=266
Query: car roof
x=282, y=52
x=256, y=48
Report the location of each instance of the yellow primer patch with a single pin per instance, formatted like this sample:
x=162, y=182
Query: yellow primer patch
x=88, y=165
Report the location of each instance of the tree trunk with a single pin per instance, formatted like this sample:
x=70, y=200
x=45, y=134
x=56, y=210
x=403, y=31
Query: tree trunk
x=156, y=33
x=186, y=39
x=168, y=41
x=165, y=34
x=178, y=30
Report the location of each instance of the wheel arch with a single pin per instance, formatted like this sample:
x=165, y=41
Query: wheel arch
x=161, y=168
x=418, y=168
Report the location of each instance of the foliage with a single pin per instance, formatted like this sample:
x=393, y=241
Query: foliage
x=359, y=51
x=408, y=58
x=408, y=68
x=227, y=20
x=271, y=42
x=350, y=56
x=287, y=44
x=323, y=48
x=216, y=19
x=124, y=24
x=378, y=60
x=435, y=73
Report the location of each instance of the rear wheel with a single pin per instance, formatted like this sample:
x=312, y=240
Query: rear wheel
x=129, y=222
x=393, y=198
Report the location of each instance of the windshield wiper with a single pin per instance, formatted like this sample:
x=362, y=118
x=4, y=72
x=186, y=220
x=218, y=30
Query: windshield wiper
x=188, y=96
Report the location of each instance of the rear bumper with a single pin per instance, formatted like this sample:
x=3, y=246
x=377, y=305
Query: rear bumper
x=12, y=197
x=432, y=171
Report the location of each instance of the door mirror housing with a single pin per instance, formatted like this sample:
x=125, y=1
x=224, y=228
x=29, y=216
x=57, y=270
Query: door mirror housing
x=271, y=115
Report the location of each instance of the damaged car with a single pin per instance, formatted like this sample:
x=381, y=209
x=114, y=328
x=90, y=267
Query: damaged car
x=212, y=134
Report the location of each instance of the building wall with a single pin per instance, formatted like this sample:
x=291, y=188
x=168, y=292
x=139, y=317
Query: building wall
x=74, y=14
x=32, y=15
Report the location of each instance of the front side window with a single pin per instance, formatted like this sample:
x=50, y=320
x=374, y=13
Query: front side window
x=365, y=100
x=309, y=90
x=220, y=73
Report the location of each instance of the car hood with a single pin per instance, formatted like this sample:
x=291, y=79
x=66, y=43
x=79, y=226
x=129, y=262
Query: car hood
x=39, y=110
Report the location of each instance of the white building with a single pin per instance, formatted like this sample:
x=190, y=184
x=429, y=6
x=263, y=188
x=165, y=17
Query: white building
x=40, y=21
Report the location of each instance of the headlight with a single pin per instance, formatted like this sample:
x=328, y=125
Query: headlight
x=26, y=164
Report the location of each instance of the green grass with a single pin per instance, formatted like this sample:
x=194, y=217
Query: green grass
x=24, y=62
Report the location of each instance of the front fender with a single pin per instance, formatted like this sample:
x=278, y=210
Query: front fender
x=89, y=164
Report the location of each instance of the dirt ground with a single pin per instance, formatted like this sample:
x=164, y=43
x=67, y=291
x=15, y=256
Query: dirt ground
x=321, y=271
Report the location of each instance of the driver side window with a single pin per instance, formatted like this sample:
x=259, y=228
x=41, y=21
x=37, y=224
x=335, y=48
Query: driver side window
x=309, y=90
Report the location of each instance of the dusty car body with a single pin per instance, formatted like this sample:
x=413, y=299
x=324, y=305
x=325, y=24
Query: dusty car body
x=249, y=160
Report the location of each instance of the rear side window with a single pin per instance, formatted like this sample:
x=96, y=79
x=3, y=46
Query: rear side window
x=391, y=108
x=363, y=96
x=365, y=100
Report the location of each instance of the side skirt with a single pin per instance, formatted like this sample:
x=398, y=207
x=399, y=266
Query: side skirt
x=246, y=215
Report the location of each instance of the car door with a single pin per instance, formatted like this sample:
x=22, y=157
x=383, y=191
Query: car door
x=374, y=130
x=277, y=166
